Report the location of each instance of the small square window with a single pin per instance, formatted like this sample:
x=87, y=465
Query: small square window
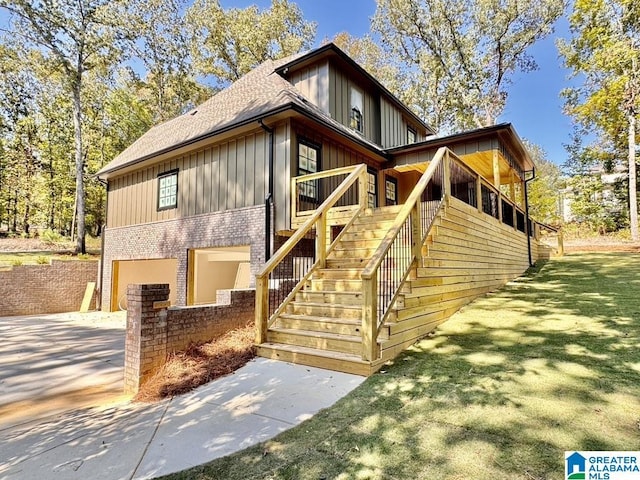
x=168, y=190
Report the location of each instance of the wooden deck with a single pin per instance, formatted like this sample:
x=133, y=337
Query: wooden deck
x=467, y=255
x=329, y=319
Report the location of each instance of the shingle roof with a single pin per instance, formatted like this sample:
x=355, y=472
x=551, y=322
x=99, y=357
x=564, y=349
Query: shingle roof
x=255, y=94
x=259, y=91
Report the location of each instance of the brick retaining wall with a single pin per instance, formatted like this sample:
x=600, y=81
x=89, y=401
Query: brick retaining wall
x=55, y=288
x=153, y=330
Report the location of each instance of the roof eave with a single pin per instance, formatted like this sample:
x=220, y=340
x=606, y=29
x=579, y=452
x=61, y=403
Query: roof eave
x=105, y=173
x=510, y=136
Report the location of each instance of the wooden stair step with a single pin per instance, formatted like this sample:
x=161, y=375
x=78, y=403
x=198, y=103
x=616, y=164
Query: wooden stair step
x=336, y=285
x=357, y=252
x=331, y=310
x=339, y=362
x=347, y=262
x=318, y=340
x=330, y=296
x=339, y=273
x=341, y=326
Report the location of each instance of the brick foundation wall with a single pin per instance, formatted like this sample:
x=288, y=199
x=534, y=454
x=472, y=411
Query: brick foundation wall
x=153, y=331
x=54, y=288
x=173, y=239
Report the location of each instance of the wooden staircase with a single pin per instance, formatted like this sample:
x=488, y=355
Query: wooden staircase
x=322, y=325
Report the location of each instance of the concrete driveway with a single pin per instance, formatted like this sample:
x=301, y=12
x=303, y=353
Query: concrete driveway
x=53, y=363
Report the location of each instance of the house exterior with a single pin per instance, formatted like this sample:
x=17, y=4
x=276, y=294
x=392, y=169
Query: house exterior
x=234, y=193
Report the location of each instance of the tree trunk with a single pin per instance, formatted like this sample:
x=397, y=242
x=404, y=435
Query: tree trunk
x=77, y=127
x=633, y=195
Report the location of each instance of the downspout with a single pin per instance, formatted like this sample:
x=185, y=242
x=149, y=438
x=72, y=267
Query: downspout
x=268, y=199
x=526, y=209
x=104, y=226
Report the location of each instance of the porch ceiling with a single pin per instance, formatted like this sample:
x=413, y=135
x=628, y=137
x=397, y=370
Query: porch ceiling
x=482, y=162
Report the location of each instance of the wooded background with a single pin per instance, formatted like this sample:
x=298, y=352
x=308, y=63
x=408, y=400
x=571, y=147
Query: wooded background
x=80, y=80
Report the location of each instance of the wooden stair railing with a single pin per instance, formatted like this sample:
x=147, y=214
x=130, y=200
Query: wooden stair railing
x=266, y=313
x=390, y=265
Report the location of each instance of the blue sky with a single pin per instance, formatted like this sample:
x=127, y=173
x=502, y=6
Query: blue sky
x=534, y=106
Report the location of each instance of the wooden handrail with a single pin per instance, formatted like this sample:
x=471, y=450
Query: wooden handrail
x=403, y=214
x=357, y=174
x=325, y=173
x=308, y=224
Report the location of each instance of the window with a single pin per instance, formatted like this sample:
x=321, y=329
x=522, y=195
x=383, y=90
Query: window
x=372, y=188
x=356, y=109
x=391, y=191
x=411, y=135
x=168, y=190
x=308, y=162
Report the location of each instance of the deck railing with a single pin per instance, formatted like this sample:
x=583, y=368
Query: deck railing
x=391, y=263
x=401, y=248
x=284, y=274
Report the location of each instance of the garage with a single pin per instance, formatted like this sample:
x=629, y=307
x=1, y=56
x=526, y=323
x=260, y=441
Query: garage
x=125, y=272
x=219, y=268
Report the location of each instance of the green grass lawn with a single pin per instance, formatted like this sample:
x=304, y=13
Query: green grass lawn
x=549, y=363
x=9, y=259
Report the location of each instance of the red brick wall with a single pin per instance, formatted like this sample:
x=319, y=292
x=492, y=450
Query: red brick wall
x=55, y=288
x=174, y=238
x=152, y=333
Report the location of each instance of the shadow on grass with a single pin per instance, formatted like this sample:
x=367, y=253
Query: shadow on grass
x=547, y=364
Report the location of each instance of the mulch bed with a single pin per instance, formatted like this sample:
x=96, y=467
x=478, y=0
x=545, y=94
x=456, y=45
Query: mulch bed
x=200, y=364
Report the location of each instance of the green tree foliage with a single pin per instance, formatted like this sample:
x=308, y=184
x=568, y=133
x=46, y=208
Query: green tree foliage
x=464, y=53
x=229, y=43
x=76, y=38
x=162, y=45
x=544, y=190
x=81, y=80
x=604, y=52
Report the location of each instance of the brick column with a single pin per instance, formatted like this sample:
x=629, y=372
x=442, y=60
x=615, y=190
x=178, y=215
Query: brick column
x=146, y=338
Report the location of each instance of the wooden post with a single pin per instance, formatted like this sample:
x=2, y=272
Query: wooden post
x=496, y=169
x=447, y=176
x=362, y=189
x=560, y=243
x=512, y=188
x=479, y=193
x=499, y=205
x=262, y=308
x=321, y=240
x=370, y=318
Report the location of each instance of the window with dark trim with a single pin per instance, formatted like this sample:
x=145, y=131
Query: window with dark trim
x=308, y=162
x=372, y=188
x=412, y=135
x=168, y=190
x=390, y=190
x=355, y=120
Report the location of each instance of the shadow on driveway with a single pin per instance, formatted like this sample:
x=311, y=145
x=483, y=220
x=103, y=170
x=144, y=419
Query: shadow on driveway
x=52, y=363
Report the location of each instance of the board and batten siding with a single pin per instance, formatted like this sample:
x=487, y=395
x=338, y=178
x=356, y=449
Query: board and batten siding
x=340, y=103
x=224, y=176
x=313, y=83
x=394, y=126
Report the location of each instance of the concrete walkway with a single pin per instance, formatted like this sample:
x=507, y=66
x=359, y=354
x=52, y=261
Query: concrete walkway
x=137, y=441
